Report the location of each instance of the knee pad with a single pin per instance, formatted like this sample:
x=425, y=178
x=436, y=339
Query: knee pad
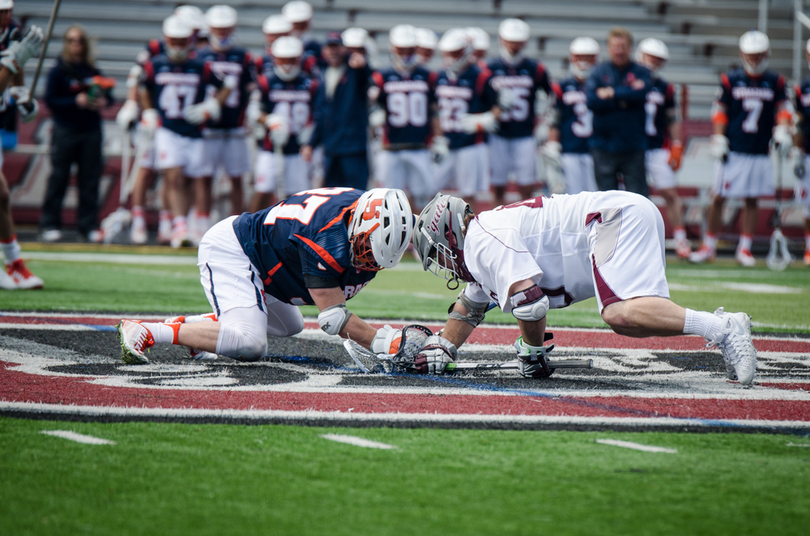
x=287, y=328
x=241, y=342
x=530, y=305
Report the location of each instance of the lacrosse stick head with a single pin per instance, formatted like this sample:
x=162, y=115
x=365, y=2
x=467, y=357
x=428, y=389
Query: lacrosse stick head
x=412, y=341
x=778, y=255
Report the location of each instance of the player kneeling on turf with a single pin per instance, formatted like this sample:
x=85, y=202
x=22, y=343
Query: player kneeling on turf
x=549, y=252
x=317, y=247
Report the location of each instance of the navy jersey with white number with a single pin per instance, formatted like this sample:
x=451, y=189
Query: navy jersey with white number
x=174, y=86
x=803, y=108
x=751, y=106
x=292, y=100
x=660, y=108
x=304, y=234
x=13, y=32
x=236, y=62
x=456, y=96
x=575, y=119
x=523, y=80
x=407, y=100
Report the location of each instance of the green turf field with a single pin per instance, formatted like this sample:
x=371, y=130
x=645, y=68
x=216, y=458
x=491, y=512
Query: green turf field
x=219, y=479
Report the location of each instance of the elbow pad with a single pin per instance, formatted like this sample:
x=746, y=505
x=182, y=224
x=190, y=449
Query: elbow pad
x=333, y=319
x=475, y=311
x=529, y=305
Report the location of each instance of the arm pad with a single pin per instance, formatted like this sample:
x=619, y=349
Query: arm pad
x=475, y=310
x=334, y=318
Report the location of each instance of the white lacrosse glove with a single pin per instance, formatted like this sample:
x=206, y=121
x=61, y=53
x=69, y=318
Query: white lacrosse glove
x=797, y=160
x=387, y=340
x=541, y=133
x=377, y=118
x=127, y=115
x=207, y=110
x=473, y=123
x=532, y=361
x=150, y=119
x=18, y=52
x=550, y=152
x=782, y=140
x=439, y=148
x=305, y=134
x=253, y=113
x=27, y=107
x=279, y=129
x=435, y=355
x=719, y=147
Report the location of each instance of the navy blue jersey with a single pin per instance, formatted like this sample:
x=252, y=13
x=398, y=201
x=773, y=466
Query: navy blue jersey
x=803, y=108
x=575, y=121
x=173, y=86
x=751, y=105
x=13, y=32
x=407, y=100
x=660, y=109
x=236, y=62
x=304, y=234
x=313, y=58
x=292, y=100
x=154, y=47
x=523, y=80
x=456, y=96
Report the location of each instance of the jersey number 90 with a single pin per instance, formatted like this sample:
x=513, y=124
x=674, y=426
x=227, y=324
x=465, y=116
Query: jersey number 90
x=407, y=109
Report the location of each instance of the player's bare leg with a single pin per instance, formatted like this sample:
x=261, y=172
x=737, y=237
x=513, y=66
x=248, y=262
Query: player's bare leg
x=16, y=275
x=203, y=196
x=144, y=179
x=708, y=249
x=750, y=216
x=807, y=241
x=259, y=201
x=675, y=217
x=526, y=191
x=499, y=195
x=178, y=202
x=645, y=317
x=237, y=196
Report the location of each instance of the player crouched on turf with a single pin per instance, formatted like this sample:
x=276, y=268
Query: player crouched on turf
x=550, y=252
x=318, y=247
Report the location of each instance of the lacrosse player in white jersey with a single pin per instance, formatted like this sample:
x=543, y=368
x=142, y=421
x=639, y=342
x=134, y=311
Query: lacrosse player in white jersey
x=549, y=252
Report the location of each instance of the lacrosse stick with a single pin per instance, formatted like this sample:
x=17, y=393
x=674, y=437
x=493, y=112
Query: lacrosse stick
x=281, y=182
x=47, y=40
x=514, y=365
x=778, y=255
x=413, y=339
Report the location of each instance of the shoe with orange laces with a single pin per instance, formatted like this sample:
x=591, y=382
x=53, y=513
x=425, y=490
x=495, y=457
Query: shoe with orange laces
x=703, y=254
x=807, y=257
x=22, y=276
x=683, y=250
x=745, y=258
x=135, y=341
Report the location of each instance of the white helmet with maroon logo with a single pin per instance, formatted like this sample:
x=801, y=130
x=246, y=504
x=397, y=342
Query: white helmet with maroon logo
x=380, y=229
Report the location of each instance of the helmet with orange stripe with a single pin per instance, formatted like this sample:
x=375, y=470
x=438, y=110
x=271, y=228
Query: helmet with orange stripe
x=380, y=229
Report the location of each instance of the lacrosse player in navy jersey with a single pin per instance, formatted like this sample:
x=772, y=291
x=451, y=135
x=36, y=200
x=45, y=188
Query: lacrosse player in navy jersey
x=466, y=113
x=751, y=110
x=173, y=95
x=299, y=13
x=566, y=155
x=799, y=154
x=549, y=252
x=318, y=247
x=664, y=145
x=273, y=27
x=516, y=79
x=406, y=100
x=426, y=42
x=286, y=112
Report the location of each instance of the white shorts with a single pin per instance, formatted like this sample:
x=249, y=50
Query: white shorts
x=296, y=173
x=627, y=252
x=801, y=189
x=659, y=175
x=226, y=148
x=516, y=155
x=231, y=281
x=407, y=170
x=744, y=175
x=174, y=150
x=578, y=171
x=467, y=168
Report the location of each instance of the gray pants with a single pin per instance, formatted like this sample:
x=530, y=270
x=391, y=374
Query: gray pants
x=607, y=166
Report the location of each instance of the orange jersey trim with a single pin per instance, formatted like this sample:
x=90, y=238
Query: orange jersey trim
x=338, y=217
x=323, y=254
x=270, y=274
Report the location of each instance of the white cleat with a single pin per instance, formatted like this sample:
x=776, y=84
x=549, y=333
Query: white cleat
x=135, y=341
x=201, y=355
x=734, y=341
x=7, y=282
x=181, y=239
x=138, y=234
x=683, y=250
x=703, y=254
x=22, y=276
x=745, y=258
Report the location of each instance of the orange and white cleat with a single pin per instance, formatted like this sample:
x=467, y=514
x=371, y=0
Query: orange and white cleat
x=703, y=254
x=807, y=257
x=22, y=276
x=683, y=250
x=135, y=341
x=745, y=258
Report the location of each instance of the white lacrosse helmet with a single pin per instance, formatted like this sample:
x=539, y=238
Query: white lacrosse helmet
x=354, y=37
x=380, y=229
x=438, y=237
x=287, y=47
x=583, y=54
x=6, y=4
x=402, y=46
x=426, y=38
x=176, y=28
x=453, y=41
x=479, y=38
x=297, y=11
x=755, y=51
x=276, y=25
x=651, y=47
x=512, y=31
x=220, y=18
x=191, y=14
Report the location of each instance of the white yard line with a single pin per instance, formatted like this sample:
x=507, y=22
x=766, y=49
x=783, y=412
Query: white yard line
x=357, y=441
x=78, y=438
x=635, y=446
x=114, y=258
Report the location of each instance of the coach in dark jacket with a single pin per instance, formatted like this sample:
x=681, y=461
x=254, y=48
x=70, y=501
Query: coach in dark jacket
x=616, y=92
x=75, y=94
x=340, y=111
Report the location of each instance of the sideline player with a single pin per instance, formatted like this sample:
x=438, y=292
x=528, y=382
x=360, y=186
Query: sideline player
x=426, y=42
x=800, y=158
x=286, y=112
x=14, y=53
x=480, y=45
x=566, y=154
x=319, y=247
x=517, y=80
x=550, y=252
x=273, y=27
x=406, y=98
x=173, y=97
x=466, y=112
x=750, y=101
x=664, y=142
x=299, y=13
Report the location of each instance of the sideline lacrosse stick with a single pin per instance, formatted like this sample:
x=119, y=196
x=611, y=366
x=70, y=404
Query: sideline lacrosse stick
x=778, y=255
x=47, y=40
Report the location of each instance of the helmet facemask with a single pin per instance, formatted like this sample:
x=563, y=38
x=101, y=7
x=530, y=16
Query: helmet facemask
x=380, y=229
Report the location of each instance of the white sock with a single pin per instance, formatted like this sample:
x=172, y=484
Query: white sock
x=702, y=323
x=745, y=242
x=162, y=333
x=679, y=234
x=711, y=241
x=11, y=250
